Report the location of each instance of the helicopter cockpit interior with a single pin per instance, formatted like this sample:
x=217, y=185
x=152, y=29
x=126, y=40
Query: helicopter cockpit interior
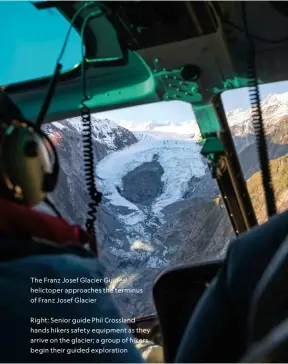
x=136, y=53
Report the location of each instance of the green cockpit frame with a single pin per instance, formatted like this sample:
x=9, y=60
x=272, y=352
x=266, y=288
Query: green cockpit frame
x=123, y=68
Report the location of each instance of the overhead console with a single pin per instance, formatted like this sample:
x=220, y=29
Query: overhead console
x=156, y=23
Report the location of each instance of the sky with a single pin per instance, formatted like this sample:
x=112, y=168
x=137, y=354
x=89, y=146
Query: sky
x=30, y=46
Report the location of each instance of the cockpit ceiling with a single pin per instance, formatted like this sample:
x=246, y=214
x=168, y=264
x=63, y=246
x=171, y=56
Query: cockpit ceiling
x=205, y=36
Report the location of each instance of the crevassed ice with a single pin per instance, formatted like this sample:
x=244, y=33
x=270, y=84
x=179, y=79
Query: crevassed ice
x=180, y=159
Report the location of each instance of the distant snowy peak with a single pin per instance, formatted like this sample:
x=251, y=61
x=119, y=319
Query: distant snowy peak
x=104, y=132
x=152, y=135
x=133, y=126
x=274, y=107
x=154, y=124
x=147, y=125
x=112, y=135
x=271, y=99
x=163, y=129
x=276, y=98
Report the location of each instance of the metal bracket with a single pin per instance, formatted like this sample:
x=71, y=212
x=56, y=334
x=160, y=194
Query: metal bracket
x=214, y=151
x=217, y=166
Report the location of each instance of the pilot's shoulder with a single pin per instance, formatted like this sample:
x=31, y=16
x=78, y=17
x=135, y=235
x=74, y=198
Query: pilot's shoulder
x=251, y=253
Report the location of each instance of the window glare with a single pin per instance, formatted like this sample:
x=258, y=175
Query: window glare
x=31, y=41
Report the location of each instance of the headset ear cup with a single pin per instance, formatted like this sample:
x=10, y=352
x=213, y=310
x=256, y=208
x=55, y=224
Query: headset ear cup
x=22, y=173
x=26, y=167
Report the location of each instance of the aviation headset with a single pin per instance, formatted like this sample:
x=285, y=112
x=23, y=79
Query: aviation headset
x=27, y=169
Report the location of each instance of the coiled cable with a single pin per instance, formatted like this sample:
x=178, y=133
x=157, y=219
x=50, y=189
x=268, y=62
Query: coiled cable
x=89, y=168
x=87, y=145
x=257, y=120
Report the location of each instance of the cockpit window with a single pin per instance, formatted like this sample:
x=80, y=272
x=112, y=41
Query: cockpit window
x=274, y=101
x=31, y=41
x=160, y=205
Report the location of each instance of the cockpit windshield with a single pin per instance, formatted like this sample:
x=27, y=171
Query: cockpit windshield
x=160, y=206
x=31, y=41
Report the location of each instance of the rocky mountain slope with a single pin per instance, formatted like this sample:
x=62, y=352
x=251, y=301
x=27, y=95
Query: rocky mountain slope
x=248, y=156
x=204, y=227
x=279, y=172
x=70, y=196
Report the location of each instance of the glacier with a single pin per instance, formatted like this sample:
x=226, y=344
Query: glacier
x=180, y=159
